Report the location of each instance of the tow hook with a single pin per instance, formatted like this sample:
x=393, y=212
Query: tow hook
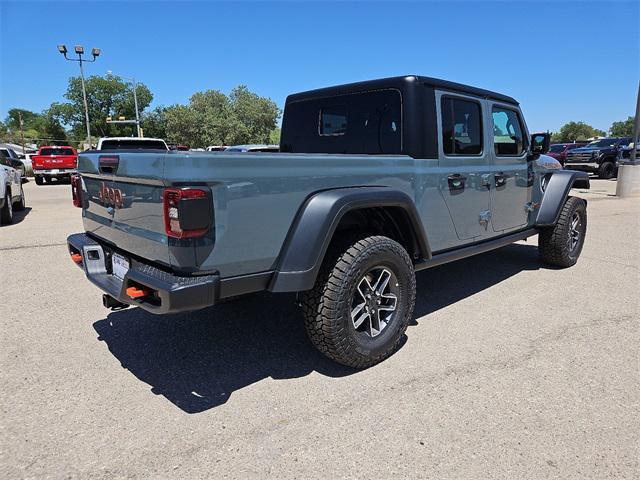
x=109, y=302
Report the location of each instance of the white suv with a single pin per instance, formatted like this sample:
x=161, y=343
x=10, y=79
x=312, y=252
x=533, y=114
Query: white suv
x=11, y=192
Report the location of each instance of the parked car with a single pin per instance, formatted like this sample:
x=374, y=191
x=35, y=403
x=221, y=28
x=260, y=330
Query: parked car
x=215, y=148
x=14, y=160
x=11, y=191
x=54, y=161
x=599, y=156
x=131, y=143
x=559, y=150
x=379, y=179
x=253, y=148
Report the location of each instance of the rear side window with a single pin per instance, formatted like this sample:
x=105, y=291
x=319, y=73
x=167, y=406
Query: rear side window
x=508, y=137
x=356, y=123
x=333, y=120
x=461, y=127
x=132, y=145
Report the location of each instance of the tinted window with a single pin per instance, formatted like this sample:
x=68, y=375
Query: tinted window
x=56, y=151
x=461, y=127
x=333, y=120
x=4, y=153
x=556, y=148
x=508, y=137
x=357, y=123
x=605, y=142
x=133, y=144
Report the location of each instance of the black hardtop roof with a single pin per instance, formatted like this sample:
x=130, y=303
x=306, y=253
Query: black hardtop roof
x=401, y=83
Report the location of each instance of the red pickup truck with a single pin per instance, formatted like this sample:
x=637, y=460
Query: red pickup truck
x=54, y=162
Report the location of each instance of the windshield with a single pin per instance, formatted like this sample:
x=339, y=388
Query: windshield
x=604, y=142
x=556, y=148
x=56, y=151
x=133, y=144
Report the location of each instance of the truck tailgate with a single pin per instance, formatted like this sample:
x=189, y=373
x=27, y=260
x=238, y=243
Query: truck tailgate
x=125, y=208
x=46, y=162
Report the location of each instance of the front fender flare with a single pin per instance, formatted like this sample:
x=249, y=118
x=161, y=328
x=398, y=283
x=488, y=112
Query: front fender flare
x=309, y=237
x=556, y=193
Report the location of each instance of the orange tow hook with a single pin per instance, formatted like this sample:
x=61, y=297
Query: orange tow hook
x=135, y=292
x=76, y=257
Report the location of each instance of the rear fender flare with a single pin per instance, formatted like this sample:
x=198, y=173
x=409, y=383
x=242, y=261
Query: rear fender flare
x=556, y=193
x=316, y=222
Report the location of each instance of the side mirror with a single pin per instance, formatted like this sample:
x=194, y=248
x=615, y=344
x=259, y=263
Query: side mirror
x=540, y=143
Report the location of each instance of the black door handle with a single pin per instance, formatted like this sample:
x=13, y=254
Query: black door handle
x=501, y=179
x=456, y=181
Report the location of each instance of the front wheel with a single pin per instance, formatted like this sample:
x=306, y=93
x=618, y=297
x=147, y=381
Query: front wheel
x=362, y=302
x=561, y=244
x=39, y=179
x=607, y=170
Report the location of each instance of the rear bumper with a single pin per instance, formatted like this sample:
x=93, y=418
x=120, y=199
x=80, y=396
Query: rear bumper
x=170, y=293
x=55, y=172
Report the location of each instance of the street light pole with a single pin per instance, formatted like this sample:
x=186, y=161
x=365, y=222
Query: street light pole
x=84, y=98
x=79, y=49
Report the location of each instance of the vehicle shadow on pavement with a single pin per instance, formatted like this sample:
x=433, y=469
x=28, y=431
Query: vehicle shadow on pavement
x=19, y=215
x=446, y=284
x=197, y=360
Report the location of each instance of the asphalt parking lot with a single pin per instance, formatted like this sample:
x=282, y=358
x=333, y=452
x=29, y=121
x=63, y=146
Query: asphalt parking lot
x=510, y=370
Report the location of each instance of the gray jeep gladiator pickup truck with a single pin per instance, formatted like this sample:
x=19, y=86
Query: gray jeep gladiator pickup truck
x=375, y=181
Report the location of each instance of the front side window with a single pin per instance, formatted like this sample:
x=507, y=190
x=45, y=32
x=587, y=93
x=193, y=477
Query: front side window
x=461, y=127
x=333, y=120
x=508, y=137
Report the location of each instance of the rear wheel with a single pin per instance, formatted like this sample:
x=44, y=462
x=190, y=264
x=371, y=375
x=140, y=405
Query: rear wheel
x=6, y=214
x=607, y=170
x=361, y=304
x=39, y=180
x=562, y=244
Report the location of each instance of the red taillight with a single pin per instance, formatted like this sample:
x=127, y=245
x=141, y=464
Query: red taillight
x=187, y=212
x=76, y=190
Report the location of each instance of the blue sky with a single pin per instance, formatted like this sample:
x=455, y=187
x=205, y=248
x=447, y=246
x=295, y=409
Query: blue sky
x=562, y=60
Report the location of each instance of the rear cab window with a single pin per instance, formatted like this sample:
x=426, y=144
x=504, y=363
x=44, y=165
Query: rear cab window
x=56, y=151
x=133, y=144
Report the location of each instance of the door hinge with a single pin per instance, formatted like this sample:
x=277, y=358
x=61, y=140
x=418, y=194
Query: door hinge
x=531, y=206
x=484, y=218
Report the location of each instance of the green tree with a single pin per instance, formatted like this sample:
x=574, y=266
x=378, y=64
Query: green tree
x=154, y=123
x=274, y=136
x=108, y=96
x=573, y=131
x=212, y=118
x=41, y=128
x=623, y=128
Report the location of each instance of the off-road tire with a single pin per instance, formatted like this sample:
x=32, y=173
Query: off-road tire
x=607, y=170
x=554, y=242
x=39, y=179
x=20, y=204
x=327, y=307
x=6, y=214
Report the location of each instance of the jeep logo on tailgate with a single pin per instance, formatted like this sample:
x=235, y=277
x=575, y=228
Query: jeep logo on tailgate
x=110, y=196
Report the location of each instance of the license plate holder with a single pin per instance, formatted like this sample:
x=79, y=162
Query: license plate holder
x=119, y=265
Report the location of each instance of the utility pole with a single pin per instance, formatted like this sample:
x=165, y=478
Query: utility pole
x=24, y=151
x=629, y=173
x=79, y=49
